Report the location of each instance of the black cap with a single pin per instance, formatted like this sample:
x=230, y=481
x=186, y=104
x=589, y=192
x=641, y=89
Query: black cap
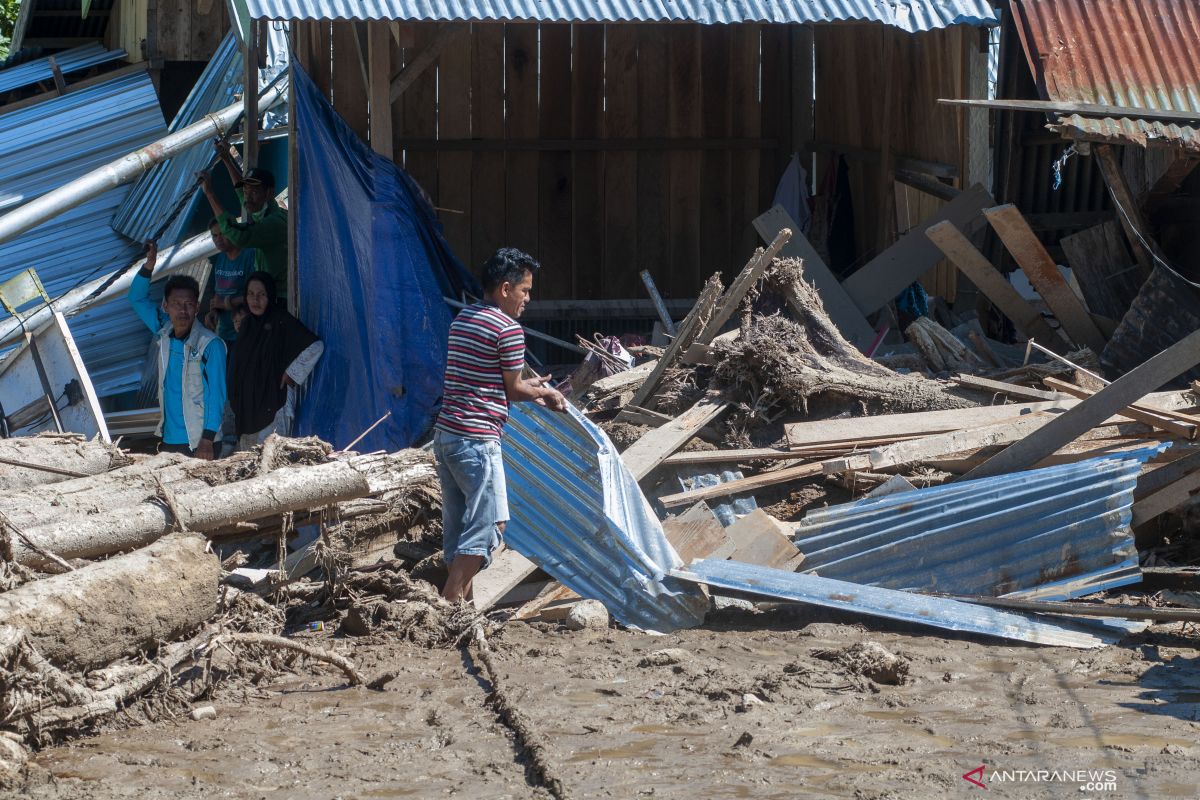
x=258, y=176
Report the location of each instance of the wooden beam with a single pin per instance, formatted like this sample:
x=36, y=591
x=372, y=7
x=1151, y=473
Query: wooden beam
x=689, y=329
x=1169, y=497
x=928, y=185
x=734, y=456
x=879, y=281
x=841, y=309
x=1129, y=213
x=379, y=90
x=1082, y=109
x=938, y=445
x=1185, y=427
x=1129, y=388
x=446, y=33
x=956, y=247
x=743, y=283
x=584, y=144
x=648, y=452
x=1170, y=181
x=508, y=569
x=1009, y=389
x=1043, y=273
x=910, y=163
x=250, y=102
x=1157, y=477
x=742, y=486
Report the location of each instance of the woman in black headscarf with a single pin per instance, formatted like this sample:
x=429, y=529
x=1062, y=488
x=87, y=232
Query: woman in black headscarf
x=273, y=354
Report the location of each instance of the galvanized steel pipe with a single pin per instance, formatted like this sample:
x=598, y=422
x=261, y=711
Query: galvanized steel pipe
x=170, y=260
x=128, y=168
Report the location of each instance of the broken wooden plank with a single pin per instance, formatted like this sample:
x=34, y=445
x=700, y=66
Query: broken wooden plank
x=759, y=538
x=1039, y=267
x=689, y=329
x=1073, y=453
x=733, y=456
x=1155, y=476
x=696, y=533
x=989, y=280
x=1165, y=499
x=507, y=570
x=838, y=305
x=1129, y=388
x=942, y=444
x=536, y=606
x=1009, y=389
x=1138, y=413
x=649, y=451
x=1136, y=230
x=879, y=281
x=741, y=486
x=743, y=283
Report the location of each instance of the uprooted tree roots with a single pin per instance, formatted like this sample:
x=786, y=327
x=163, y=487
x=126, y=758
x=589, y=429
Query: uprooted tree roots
x=794, y=362
x=388, y=599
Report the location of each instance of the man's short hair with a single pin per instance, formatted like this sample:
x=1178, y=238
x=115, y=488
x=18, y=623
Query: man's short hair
x=184, y=282
x=214, y=223
x=507, y=265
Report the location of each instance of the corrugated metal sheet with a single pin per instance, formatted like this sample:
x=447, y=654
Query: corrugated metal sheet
x=73, y=60
x=1163, y=313
x=48, y=144
x=56, y=20
x=1052, y=533
x=874, y=601
x=1132, y=53
x=578, y=513
x=910, y=15
x=155, y=193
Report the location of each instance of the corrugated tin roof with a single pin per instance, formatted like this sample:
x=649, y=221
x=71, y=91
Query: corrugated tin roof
x=578, y=513
x=1132, y=53
x=73, y=60
x=155, y=193
x=43, y=147
x=909, y=15
x=1052, y=533
x=939, y=612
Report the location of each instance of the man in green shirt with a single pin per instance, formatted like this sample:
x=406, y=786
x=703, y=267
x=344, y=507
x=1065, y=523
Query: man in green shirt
x=267, y=228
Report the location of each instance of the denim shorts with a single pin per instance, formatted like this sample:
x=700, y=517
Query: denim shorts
x=474, y=496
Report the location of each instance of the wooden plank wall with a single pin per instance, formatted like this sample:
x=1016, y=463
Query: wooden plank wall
x=186, y=30
x=850, y=74
x=482, y=131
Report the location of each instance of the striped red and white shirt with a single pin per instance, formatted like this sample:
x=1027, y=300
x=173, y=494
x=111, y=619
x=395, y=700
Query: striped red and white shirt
x=484, y=343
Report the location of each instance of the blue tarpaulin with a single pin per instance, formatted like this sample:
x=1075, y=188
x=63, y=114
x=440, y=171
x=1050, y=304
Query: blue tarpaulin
x=373, y=269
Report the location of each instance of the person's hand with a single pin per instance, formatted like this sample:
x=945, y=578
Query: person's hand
x=555, y=401
x=151, y=255
x=204, y=179
x=286, y=380
x=204, y=450
x=210, y=320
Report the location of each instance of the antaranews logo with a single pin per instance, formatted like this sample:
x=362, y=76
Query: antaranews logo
x=1088, y=780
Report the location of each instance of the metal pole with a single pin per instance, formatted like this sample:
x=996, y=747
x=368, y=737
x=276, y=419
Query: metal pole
x=127, y=168
x=659, y=305
x=170, y=260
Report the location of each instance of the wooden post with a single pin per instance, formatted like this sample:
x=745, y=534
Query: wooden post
x=293, y=187
x=379, y=74
x=250, y=100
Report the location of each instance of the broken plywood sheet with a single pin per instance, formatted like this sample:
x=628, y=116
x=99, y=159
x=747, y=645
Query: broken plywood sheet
x=696, y=533
x=759, y=538
x=879, y=281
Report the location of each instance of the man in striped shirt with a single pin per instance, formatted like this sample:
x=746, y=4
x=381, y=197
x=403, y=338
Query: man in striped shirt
x=483, y=373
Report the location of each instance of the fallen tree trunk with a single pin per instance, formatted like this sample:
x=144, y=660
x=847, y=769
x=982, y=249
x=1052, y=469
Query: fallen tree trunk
x=101, y=612
x=797, y=361
x=35, y=460
x=211, y=509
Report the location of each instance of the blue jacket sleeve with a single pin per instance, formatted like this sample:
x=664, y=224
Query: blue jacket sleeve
x=214, y=385
x=143, y=306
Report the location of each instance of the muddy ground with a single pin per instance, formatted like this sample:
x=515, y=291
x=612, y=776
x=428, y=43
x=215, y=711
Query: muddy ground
x=754, y=705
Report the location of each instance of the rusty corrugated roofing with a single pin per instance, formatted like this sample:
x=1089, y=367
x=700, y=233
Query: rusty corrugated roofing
x=1135, y=53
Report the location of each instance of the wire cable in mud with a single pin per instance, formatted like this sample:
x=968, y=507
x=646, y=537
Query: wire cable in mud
x=501, y=701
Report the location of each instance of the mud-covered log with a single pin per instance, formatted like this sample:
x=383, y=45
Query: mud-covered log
x=101, y=612
x=35, y=460
x=210, y=509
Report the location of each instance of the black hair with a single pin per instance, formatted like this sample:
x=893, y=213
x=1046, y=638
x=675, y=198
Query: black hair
x=507, y=265
x=185, y=282
x=214, y=222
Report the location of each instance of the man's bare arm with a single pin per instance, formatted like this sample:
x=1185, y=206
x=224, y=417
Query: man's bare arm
x=518, y=388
